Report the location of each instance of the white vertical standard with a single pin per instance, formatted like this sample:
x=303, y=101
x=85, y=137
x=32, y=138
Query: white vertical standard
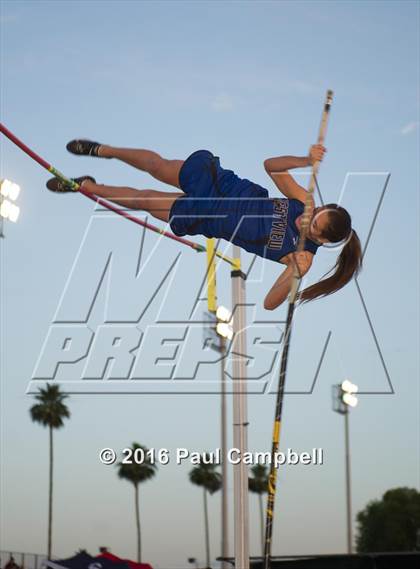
x=240, y=415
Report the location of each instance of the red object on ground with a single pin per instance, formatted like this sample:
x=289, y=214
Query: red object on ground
x=131, y=564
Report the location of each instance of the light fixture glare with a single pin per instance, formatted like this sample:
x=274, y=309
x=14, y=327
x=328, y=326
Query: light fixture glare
x=224, y=330
x=350, y=399
x=13, y=212
x=349, y=387
x=5, y=208
x=5, y=188
x=14, y=191
x=223, y=314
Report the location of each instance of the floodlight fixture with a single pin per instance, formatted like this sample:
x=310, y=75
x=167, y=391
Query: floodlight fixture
x=9, y=190
x=224, y=330
x=349, y=387
x=223, y=314
x=349, y=399
x=9, y=210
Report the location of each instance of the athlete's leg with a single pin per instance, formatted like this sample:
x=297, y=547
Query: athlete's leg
x=164, y=170
x=156, y=203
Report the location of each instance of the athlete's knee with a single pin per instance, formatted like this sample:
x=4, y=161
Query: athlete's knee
x=89, y=185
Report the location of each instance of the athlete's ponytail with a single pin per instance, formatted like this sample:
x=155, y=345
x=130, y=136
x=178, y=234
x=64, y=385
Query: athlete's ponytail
x=349, y=261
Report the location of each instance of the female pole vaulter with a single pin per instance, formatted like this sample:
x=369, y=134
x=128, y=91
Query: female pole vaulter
x=215, y=202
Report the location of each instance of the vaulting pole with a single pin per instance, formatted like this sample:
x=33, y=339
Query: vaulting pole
x=287, y=334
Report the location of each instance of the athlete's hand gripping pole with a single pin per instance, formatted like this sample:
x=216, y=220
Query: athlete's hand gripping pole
x=306, y=217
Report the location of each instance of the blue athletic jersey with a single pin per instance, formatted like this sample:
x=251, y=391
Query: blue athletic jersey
x=217, y=203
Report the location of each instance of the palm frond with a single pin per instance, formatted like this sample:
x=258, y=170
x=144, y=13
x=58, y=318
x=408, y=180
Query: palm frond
x=137, y=473
x=205, y=475
x=50, y=411
x=258, y=482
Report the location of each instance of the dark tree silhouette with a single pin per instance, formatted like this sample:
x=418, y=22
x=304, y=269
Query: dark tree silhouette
x=258, y=484
x=390, y=524
x=50, y=411
x=206, y=476
x=137, y=474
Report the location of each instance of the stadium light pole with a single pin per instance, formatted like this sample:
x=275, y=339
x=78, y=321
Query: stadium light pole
x=9, y=192
x=225, y=332
x=343, y=399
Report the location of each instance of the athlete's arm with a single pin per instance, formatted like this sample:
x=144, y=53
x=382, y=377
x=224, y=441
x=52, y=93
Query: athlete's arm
x=281, y=288
x=277, y=169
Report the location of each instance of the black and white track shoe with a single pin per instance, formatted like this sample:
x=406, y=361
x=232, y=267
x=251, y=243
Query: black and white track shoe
x=57, y=185
x=82, y=147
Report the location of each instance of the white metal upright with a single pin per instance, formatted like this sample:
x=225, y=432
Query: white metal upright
x=240, y=414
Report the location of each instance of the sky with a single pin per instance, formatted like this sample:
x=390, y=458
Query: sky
x=247, y=80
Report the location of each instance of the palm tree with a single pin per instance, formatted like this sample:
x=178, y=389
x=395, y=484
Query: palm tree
x=258, y=484
x=136, y=473
x=205, y=475
x=50, y=410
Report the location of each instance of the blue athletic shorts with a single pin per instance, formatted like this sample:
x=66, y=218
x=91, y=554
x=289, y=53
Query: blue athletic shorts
x=217, y=203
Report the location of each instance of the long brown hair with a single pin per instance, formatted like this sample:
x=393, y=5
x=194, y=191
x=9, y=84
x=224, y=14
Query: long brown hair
x=349, y=261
